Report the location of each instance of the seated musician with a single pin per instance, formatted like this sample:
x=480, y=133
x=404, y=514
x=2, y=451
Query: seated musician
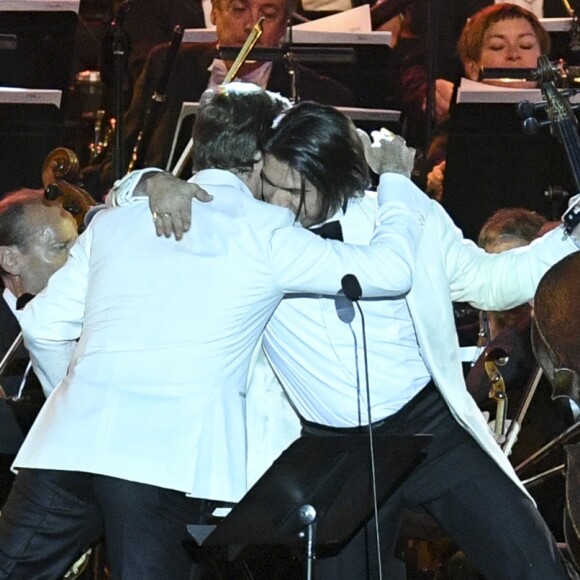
x=499, y=36
x=510, y=330
x=197, y=67
x=412, y=47
x=34, y=241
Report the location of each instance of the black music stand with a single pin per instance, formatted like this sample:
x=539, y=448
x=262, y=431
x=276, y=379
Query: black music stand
x=363, y=68
x=317, y=493
x=28, y=132
x=36, y=49
x=492, y=164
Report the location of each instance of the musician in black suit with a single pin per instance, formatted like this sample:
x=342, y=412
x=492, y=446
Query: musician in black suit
x=197, y=67
x=34, y=241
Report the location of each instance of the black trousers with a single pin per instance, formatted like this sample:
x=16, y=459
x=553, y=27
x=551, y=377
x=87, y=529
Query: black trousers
x=464, y=490
x=51, y=517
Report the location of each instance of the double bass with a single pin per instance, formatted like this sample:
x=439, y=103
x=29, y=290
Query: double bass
x=555, y=330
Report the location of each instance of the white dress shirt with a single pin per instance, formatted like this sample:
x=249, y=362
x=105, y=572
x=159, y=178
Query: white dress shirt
x=10, y=300
x=320, y=359
x=314, y=356
x=154, y=388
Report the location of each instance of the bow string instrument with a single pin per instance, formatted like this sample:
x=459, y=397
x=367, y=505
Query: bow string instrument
x=554, y=307
x=556, y=320
x=60, y=171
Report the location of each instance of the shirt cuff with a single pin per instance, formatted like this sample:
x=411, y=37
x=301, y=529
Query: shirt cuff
x=122, y=191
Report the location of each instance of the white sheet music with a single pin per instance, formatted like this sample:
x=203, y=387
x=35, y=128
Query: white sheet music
x=475, y=92
x=30, y=96
x=40, y=5
x=192, y=35
x=325, y=37
x=354, y=20
x=556, y=24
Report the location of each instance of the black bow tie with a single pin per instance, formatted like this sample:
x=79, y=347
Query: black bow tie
x=329, y=231
x=23, y=300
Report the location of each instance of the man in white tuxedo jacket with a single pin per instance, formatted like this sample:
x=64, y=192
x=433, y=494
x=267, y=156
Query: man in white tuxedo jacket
x=154, y=338
x=415, y=376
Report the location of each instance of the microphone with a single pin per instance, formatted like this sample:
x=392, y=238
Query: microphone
x=351, y=287
x=344, y=308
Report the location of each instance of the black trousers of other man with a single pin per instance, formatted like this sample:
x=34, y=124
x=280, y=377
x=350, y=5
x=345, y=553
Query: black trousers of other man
x=52, y=517
x=463, y=489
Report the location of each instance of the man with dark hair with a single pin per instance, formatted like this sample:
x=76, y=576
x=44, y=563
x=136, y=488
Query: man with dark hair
x=415, y=377
x=151, y=407
x=35, y=237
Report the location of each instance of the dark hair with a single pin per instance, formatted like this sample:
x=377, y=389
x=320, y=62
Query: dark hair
x=229, y=124
x=513, y=223
x=470, y=43
x=322, y=145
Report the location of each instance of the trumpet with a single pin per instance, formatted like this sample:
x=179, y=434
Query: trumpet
x=253, y=37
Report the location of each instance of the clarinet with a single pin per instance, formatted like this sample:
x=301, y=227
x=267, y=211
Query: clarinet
x=157, y=99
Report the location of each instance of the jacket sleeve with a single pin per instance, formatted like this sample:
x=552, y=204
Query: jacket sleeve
x=52, y=322
x=496, y=281
x=303, y=262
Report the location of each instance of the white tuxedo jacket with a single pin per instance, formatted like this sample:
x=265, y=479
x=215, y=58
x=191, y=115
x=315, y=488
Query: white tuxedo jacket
x=451, y=268
x=154, y=337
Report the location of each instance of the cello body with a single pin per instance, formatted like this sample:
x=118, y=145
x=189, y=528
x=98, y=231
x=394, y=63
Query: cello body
x=556, y=327
x=556, y=342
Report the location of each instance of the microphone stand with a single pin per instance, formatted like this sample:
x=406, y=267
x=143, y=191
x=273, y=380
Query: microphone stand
x=120, y=45
x=352, y=290
x=371, y=442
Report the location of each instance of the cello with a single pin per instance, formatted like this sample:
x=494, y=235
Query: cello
x=60, y=171
x=555, y=336
x=555, y=330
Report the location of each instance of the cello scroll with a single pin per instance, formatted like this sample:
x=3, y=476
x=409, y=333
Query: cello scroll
x=59, y=171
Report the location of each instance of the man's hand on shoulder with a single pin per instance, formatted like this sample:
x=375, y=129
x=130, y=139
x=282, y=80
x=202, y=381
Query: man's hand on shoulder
x=387, y=153
x=170, y=202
